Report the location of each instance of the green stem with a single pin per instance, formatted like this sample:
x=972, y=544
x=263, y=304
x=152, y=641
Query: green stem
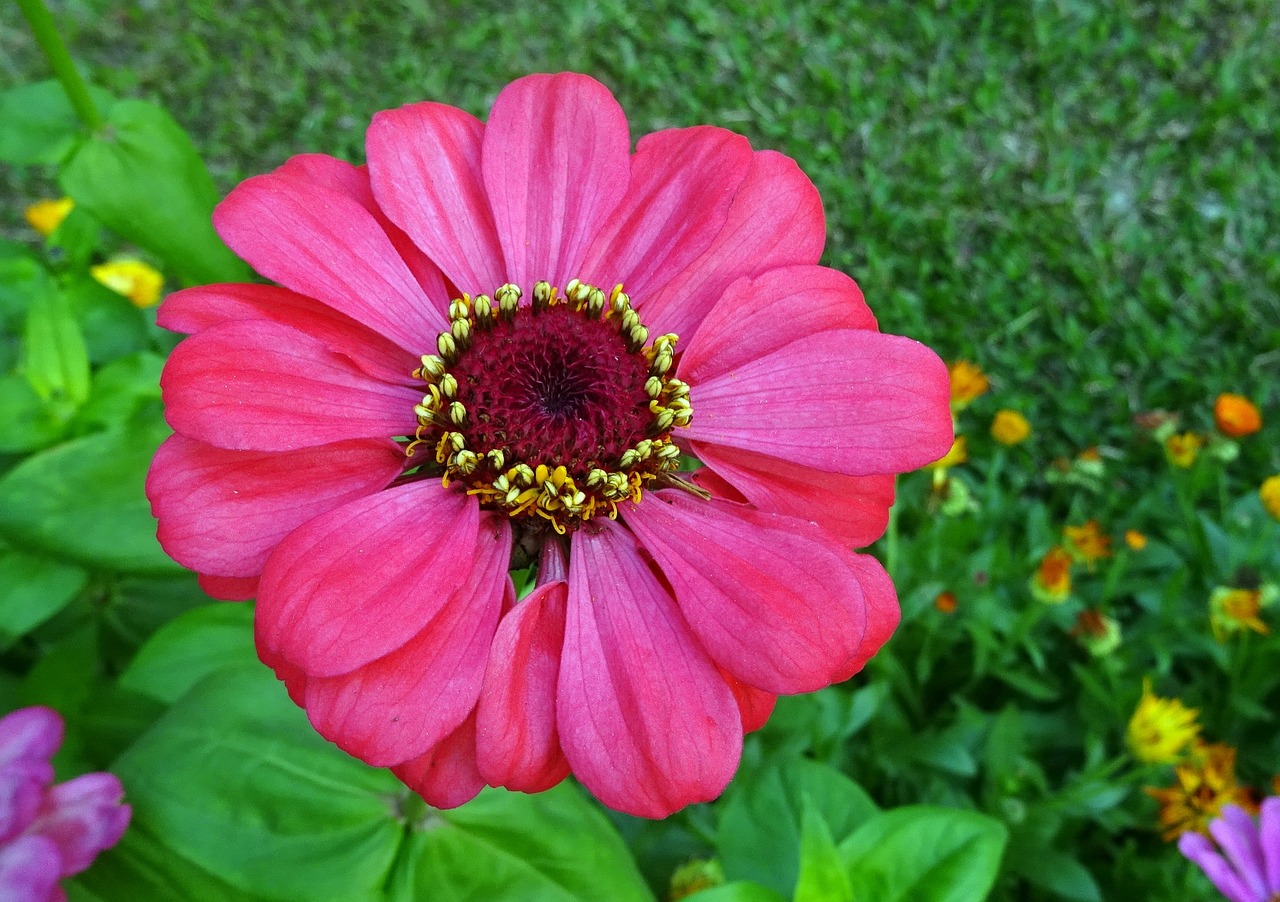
x=46, y=35
x=891, y=536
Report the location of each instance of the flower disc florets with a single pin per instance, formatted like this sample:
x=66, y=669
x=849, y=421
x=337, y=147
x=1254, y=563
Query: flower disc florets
x=555, y=409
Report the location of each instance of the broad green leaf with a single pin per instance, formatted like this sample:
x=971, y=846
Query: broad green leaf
x=26, y=421
x=738, y=891
x=925, y=854
x=189, y=648
x=32, y=589
x=37, y=123
x=73, y=243
x=56, y=359
x=22, y=277
x=1061, y=874
x=84, y=501
x=759, y=832
x=121, y=388
x=822, y=877
x=234, y=780
x=550, y=847
x=112, y=325
x=141, y=176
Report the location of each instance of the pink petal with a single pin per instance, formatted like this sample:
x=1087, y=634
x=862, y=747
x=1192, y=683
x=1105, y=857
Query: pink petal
x=754, y=705
x=360, y=582
x=854, y=402
x=446, y=776
x=517, y=743
x=553, y=562
x=320, y=242
x=556, y=162
x=259, y=386
x=399, y=706
x=759, y=316
x=194, y=309
x=645, y=719
x=1201, y=852
x=1237, y=836
x=29, y=869
x=225, y=511
x=1269, y=836
x=424, y=160
x=773, y=599
x=228, y=588
x=22, y=787
x=775, y=220
x=883, y=613
x=853, y=508
x=682, y=182
x=84, y=816
x=32, y=733
x=294, y=679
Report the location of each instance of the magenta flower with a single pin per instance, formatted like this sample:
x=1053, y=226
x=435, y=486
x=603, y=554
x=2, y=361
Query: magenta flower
x=49, y=832
x=1250, y=872
x=439, y=390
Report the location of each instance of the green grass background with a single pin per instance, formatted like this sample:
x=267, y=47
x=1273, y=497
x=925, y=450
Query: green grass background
x=1082, y=197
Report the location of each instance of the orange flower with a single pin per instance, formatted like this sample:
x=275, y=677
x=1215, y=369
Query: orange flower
x=1087, y=543
x=967, y=383
x=1236, y=416
x=1010, y=427
x=1182, y=449
x=1203, y=783
x=1236, y=610
x=1098, y=633
x=945, y=602
x=140, y=283
x=1134, y=539
x=1270, y=495
x=1052, y=582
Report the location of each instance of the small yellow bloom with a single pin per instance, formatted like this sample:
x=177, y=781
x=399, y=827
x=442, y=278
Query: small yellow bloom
x=1236, y=416
x=1182, y=449
x=140, y=283
x=46, y=215
x=1052, y=582
x=1087, y=543
x=1099, y=633
x=1270, y=495
x=1010, y=427
x=945, y=602
x=958, y=454
x=1203, y=784
x=1161, y=727
x=967, y=383
x=1236, y=610
x=1134, y=539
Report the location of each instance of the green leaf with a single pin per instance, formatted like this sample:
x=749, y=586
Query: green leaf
x=1060, y=874
x=236, y=781
x=84, y=500
x=32, y=589
x=925, y=854
x=37, y=123
x=73, y=242
x=189, y=648
x=56, y=360
x=822, y=877
x=22, y=277
x=141, y=176
x=112, y=325
x=29, y=422
x=121, y=388
x=504, y=845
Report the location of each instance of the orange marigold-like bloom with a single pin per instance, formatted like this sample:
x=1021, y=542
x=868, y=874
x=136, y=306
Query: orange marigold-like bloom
x=1098, y=633
x=1052, y=582
x=1269, y=492
x=1161, y=728
x=1203, y=783
x=1010, y=427
x=1236, y=610
x=967, y=383
x=46, y=215
x=1087, y=543
x=1135, y=540
x=945, y=602
x=1182, y=449
x=1236, y=416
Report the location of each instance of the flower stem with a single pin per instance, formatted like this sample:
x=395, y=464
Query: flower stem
x=55, y=51
x=891, y=536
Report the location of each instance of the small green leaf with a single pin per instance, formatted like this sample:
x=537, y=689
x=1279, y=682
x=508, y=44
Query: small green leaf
x=56, y=360
x=29, y=423
x=822, y=877
x=32, y=589
x=1061, y=874
x=112, y=325
x=141, y=176
x=37, y=123
x=120, y=389
x=189, y=648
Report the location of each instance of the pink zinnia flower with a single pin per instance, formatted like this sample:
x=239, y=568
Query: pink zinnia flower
x=49, y=832
x=1250, y=872
x=439, y=391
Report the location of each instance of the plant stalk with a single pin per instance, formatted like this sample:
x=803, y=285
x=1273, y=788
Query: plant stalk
x=55, y=51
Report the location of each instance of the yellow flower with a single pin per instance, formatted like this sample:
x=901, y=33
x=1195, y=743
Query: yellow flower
x=1236, y=416
x=1182, y=449
x=1099, y=633
x=1010, y=427
x=945, y=602
x=1270, y=495
x=1236, y=610
x=1052, y=582
x=967, y=383
x=1203, y=784
x=46, y=215
x=140, y=283
x=1134, y=539
x=958, y=454
x=1161, y=727
x=1087, y=543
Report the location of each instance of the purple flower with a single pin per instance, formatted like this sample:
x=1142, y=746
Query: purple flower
x=49, y=832
x=1250, y=872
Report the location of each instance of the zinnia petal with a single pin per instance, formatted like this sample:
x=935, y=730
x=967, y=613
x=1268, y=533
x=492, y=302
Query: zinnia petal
x=256, y=385
x=83, y=816
x=446, y=776
x=851, y=401
x=29, y=869
x=1269, y=836
x=228, y=588
x=645, y=719
x=883, y=613
x=377, y=712
x=518, y=745
x=357, y=583
x=1201, y=852
x=32, y=733
x=754, y=705
x=556, y=162
x=1237, y=835
x=801, y=620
